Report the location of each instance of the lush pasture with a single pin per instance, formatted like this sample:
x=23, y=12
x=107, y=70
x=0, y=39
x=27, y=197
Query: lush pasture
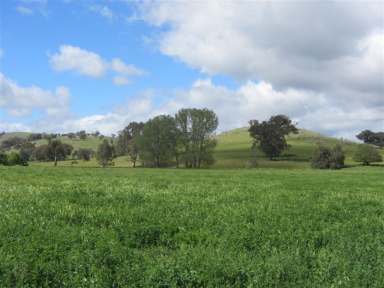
x=75, y=227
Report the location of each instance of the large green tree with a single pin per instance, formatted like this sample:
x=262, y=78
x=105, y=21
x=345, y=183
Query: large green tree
x=105, y=153
x=367, y=154
x=158, y=141
x=195, y=136
x=127, y=141
x=270, y=135
x=374, y=138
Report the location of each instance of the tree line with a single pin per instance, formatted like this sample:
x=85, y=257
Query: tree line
x=186, y=139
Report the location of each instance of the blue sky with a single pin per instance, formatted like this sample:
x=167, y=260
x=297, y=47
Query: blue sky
x=96, y=65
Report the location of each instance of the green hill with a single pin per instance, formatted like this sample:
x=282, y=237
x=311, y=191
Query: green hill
x=233, y=150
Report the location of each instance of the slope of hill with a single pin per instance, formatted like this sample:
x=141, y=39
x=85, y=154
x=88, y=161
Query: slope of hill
x=90, y=142
x=233, y=150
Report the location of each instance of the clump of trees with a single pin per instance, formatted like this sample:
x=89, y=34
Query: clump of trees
x=328, y=157
x=13, y=158
x=83, y=154
x=367, y=154
x=54, y=151
x=164, y=140
x=105, y=153
x=270, y=135
x=374, y=138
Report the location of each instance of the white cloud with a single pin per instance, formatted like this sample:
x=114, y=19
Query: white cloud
x=235, y=107
x=24, y=10
x=119, y=66
x=120, y=80
x=330, y=48
x=22, y=101
x=88, y=63
x=83, y=61
x=104, y=11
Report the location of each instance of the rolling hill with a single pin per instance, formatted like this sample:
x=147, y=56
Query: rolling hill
x=233, y=150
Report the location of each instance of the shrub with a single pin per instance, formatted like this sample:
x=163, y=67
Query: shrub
x=367, y=154
x=3, y=159
x=328, y=158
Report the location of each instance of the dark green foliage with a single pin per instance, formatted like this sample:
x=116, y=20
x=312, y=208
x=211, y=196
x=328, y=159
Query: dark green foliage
x=54, y=151
x=35, y=136
x=270, y=135
x=328, y=158
x=3, y=158
x=127, y=141
x=195, y=142
x=157, y=143
x=367, y=154
x=82, y=135
x=15, y=158
x=374, y=138
x=105, y=153
x=84, y=154
x=13, y=142
x=190, y=228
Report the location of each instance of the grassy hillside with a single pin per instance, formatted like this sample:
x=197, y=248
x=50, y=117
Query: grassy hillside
x=234, y=149
x=191, y=228
x=91, y=141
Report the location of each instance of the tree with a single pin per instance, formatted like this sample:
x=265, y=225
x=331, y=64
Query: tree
x=13, y=142
x=15, y=159
x=328, y=158
x=3, y=158
x=195, y=142
x=105, y=153
x=135, y=129
x=58, y=151
x=82, y=135
x=374, y=138
x=84, y=154
x=367, y=154
x=157, y=142
x=270, y=135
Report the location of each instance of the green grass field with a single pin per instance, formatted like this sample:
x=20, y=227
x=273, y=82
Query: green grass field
x=77, y=227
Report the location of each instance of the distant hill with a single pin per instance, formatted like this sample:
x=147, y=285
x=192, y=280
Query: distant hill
x=233, y=149
x=91, y=142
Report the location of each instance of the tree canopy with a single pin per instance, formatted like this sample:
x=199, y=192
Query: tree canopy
x=270, y=135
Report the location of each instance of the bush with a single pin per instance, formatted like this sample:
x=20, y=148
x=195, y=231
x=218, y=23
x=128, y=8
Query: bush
x=367, y=154
x=3, y=159
x=14, y=158
x=328, y=158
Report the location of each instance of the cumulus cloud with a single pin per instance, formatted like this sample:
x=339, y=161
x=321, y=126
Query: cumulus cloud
x=235, y=107
x=103, y=11
x=330, y=48
x=22, y=101
x=88, y=63
x=24, y=10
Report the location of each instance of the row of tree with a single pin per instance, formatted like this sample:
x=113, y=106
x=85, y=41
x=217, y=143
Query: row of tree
x=184, y=139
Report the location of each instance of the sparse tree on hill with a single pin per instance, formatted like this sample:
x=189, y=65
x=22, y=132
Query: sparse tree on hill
x=82, y=135
x=105, y=153
x=195, y=141
x=374, y=138
x=270, y=135
x=367, y=154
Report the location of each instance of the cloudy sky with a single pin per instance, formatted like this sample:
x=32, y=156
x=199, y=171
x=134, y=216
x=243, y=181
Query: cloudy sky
x=68, y=65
